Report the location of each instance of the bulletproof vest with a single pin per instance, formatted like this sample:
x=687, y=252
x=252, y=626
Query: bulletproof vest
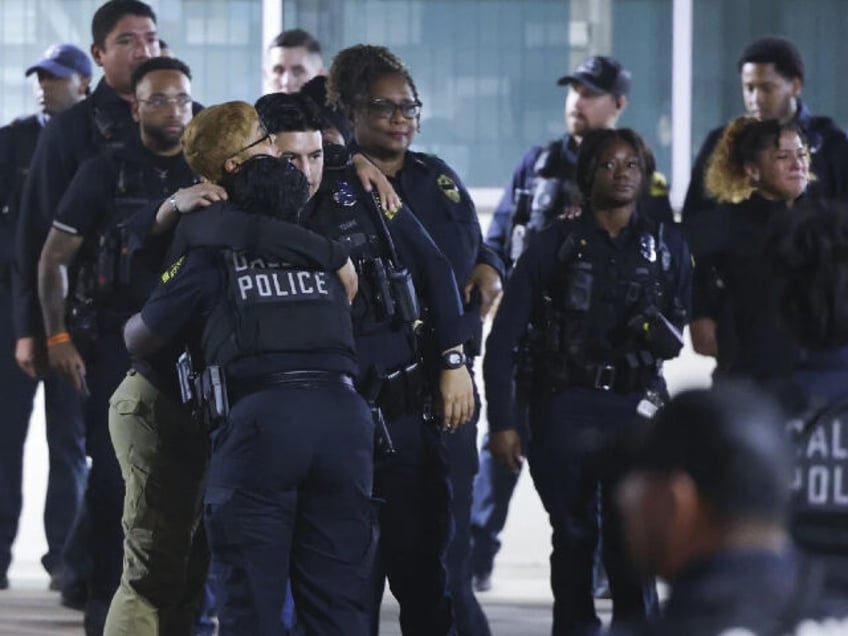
x=385, y=290
x=24, y=136
x=111, y=264
x=550, y=193
x=819, y=520
x=590, y=295
x=273, y=307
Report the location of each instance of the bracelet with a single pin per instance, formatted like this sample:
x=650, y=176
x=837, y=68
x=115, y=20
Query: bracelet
x=58, y=338
x=173, y=203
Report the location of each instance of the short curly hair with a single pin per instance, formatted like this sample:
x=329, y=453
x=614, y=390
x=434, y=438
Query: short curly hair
x=741, y=142
x=216, y=134
x=355, y=70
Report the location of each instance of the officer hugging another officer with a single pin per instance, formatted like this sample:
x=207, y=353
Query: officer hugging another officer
x=290, y=476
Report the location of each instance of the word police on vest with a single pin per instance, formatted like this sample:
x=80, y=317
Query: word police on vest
x=821, y=472
x=258, y=281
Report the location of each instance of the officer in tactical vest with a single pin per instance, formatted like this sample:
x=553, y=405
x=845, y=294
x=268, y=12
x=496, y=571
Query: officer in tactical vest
x=806, y=249
x=89, y=247
x=63, y=76
x=589, y=314
x=544, y=187
x=289, y=481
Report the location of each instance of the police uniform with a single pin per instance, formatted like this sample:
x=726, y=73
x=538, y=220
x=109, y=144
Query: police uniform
x=67, y=468
x=289, y=480
x=828, y=146
x=578, y=308
x=108, y=282
x=441, y=203
x=411, y=482
x=819, y=431
x=733, y=285
x=542, y=188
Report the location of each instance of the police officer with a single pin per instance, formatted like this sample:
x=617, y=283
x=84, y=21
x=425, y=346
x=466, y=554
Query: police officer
x=705, y=508
x=542, y=188
x=374, y=89
x=292, y=59
x=290, y=476
x=592, y=308
x=771, y=70
x=89, y=238
x=63, y=75
x=806, y=248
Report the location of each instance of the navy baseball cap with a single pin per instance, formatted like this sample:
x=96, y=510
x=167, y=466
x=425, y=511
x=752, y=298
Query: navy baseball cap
x=600, y=74
x=63, y=60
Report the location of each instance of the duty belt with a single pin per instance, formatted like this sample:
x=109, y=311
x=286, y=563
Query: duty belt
x=617, y=377
x=239, y=389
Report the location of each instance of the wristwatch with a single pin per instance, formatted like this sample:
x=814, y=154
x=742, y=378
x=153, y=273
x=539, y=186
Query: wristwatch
x=453, y=359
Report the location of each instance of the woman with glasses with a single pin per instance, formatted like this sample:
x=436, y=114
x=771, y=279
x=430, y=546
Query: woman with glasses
x=376, y=92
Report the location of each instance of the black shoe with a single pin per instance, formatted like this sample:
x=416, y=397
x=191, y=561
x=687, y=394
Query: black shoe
x=56, y=580
x=482, y=582
x=4, y=582
x=602, y=590
x=75, y=597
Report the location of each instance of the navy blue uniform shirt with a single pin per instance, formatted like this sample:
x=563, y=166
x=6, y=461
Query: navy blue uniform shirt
x=530, y=280
x=431, y=271
x=17, y=143
x=523, y=177
x=441, y=203
x=101, y=120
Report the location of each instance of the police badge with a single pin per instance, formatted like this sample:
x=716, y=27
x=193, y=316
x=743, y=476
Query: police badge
x=648, y=247
x=449, y=188
x=344, y=195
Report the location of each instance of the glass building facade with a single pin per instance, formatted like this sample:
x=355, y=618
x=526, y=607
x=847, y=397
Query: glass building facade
x=486, y=69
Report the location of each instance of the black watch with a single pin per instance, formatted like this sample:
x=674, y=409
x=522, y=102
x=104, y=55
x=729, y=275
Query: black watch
x=453, y=359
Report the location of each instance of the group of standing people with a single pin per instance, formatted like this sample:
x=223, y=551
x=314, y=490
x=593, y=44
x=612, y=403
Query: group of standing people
x=262, y=321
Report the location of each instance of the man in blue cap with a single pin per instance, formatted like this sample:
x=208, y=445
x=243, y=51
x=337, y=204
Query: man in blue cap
x=63, y=77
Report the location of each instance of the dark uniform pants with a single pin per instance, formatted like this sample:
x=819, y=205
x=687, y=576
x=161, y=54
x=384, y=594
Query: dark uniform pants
x=567, y=430
x=463, y=464
x=289, y=493
x=65, y=443
x=163, y=456
x=414, y=529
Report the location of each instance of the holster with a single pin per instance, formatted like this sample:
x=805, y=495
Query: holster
x=210, y=390
x=402, y=391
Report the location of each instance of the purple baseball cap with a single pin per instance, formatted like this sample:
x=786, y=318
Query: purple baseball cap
x=63, y=60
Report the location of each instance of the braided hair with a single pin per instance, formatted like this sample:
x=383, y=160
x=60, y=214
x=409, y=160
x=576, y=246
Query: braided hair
x=355, y=70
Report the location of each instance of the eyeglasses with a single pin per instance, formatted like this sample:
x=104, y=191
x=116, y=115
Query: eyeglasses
x=262, y=139
x=386, y=108
x=160, y=101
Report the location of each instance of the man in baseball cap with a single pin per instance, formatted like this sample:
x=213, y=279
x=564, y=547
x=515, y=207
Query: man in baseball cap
x=597, y=95
x=64, y=75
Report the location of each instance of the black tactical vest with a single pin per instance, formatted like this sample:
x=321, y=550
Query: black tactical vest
x=272, y=307
x=820, y=484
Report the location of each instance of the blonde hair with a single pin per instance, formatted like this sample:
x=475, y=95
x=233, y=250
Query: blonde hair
x=741, y=142
x=216, y=134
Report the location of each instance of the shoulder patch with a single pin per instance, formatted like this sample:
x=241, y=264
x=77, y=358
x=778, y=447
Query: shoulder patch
x=448, y=187
x=659, y=185
x=169, y=273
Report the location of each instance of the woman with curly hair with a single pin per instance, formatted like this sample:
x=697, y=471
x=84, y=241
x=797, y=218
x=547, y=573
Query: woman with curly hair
x=758, y=169
x=376, y=92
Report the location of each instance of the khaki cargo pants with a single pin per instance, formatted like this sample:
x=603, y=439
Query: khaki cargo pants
x=163, y=457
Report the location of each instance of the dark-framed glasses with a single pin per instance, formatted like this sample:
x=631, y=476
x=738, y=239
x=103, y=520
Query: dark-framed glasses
x=160, y=101
x=386, y=108
x=266, y=136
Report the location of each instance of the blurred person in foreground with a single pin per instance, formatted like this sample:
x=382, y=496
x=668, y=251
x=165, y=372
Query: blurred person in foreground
x=705, y=507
